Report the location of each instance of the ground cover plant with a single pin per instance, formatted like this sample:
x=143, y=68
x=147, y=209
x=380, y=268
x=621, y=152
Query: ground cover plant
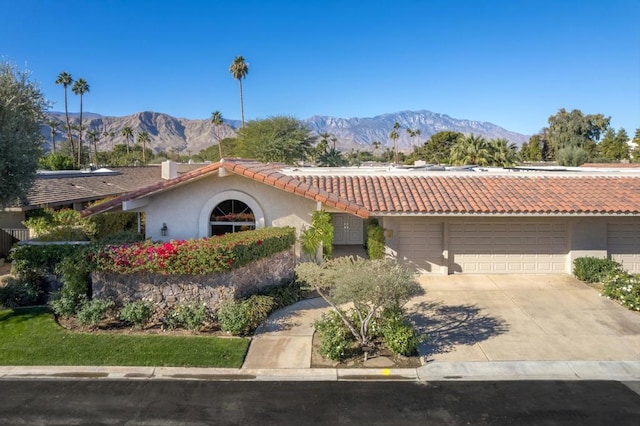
x=611, y=280
x=30, y=336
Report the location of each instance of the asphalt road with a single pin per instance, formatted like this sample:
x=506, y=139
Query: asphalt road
x=156, y=402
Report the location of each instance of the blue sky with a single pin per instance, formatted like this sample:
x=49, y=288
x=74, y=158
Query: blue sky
x=513, y=63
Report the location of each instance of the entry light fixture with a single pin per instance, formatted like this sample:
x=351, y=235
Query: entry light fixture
x=163, y=230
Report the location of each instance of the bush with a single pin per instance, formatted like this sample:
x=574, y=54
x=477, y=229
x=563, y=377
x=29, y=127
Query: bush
x=241, y=318
x=336, y=341
x=398, y=334
x=15, y=293
x=189, y=315
x=94, y=311
x=594, y=269
x=375, y=239
x=138, y=313
x=623, y=287
x=194, y=257
x=286, y=294
x=60, y=225
x=65, y=304
x=320, y=232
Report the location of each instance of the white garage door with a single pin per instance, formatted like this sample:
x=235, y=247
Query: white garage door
x=525, y=247
x=623, y=241
x=420, y=245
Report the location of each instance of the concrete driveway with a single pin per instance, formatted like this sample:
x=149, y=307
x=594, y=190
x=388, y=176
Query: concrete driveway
x=521, y=318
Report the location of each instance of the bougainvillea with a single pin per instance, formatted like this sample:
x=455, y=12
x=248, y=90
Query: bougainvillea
x=194, y=257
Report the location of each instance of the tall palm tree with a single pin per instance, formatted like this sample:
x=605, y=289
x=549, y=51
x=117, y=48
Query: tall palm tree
x=54, y=125
x=239, y=70
x=65, y=79
x=94, y=137
x=80, y=87
x=143, y=137
x=376, y=145
x=394, y=135
x=503, y=153
x=127, y=132
x=216, y=120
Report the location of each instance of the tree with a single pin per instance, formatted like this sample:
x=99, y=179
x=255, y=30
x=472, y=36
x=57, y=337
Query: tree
x=22, y=107
x=239, y=70
x=437, y=149
x=80, y=87
x=614, y=146
x=94, y=137
x=277, y=139
x=127, y=132
x=217, y=121
x=143, y=138
x=532, y=150
x=394, y=135
x=349, y=280
x=635, y=149
x=502, y=153
x=413, y=134
x=376, y=146
x=572, y=156
x=574, y=129
x=471, y=150
x=65, y=79
x=53, y=124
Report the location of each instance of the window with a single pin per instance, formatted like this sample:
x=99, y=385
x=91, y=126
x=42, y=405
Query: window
x=231, y=216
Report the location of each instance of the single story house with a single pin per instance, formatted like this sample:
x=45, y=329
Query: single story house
x=458, y=220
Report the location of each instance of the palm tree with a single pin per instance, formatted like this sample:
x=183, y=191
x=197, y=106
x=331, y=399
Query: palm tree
x=376, y=145
x=239, y=70
x=65, y=79
x=503, y=153
x=127, y=132
x=394, y=135
x=94, y=136
x=216, y=120
x=54, y=125
x=471, y=150
x=143, y=137
x=80, y=87
x=413, y=134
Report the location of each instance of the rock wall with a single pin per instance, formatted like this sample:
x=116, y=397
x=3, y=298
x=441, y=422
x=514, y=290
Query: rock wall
x=168, y=290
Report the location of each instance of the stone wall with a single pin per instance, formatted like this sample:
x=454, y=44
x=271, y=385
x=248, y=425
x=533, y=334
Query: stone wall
x=211, y=289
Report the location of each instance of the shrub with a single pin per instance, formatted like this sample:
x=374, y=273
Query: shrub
x=60, y=225
x=15, y=293
x=375, y=239
x=94, y=311
x=398, y=333
x=320, y=232
x=66, y=305
x=594, y=269
x=623, y=287
x=336, y=341
x=193, y=257
x=189, y=315
x=285, y=294
x=138, y=313
x=241, y=318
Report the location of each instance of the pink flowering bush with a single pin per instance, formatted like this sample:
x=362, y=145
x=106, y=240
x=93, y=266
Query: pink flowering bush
x=195, y=257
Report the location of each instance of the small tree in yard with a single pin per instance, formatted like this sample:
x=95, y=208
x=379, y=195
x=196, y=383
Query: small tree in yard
x=371, y=285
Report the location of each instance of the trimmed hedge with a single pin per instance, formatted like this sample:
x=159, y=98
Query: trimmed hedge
x=195, y=257
x=594, y=269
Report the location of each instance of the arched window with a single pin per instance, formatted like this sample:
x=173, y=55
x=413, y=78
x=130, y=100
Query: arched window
x=231, y=216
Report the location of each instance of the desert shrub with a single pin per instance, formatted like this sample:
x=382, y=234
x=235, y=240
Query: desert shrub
x=398, y=333
x=375, y=239
x=194, y=257
x=189, y=315
x=66, y=305
x=336, y=341
x=594, y=269
x=94, y=311
x=138, y=313
x=624, y=288
x=285, y=294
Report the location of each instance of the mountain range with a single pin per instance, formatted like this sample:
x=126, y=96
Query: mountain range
x=172, y=134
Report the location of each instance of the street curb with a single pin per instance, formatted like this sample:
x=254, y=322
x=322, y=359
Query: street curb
x=436, y=371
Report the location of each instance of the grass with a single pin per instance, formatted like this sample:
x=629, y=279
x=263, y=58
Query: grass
x=30, y=336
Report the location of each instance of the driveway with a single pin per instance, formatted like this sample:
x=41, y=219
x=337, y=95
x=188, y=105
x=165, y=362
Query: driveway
x=521, y=318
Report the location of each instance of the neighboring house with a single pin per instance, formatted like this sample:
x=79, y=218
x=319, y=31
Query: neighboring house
x=460, y=220
x=75, y=189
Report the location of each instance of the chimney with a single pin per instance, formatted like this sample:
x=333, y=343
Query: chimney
x=169, y=169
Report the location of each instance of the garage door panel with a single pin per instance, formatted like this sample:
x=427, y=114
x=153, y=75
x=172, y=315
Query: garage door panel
x=420, y=245
x=535, y=247
x=623, y=242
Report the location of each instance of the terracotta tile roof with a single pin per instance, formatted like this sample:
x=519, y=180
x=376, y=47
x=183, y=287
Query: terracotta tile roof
x=481, y=194
x=270, y=174
x=430, y=194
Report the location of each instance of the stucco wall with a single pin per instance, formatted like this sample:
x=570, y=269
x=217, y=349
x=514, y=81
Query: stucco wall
x=186, y=209
x=211, y=289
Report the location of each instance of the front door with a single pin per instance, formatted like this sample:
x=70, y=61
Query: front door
x=347, y=229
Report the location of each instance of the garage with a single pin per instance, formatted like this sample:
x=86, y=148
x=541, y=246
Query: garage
x=623, y=243
x=420, y=245
x=507, y=247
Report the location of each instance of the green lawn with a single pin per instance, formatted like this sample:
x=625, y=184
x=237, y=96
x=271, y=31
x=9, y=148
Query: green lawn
x=30, y=336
